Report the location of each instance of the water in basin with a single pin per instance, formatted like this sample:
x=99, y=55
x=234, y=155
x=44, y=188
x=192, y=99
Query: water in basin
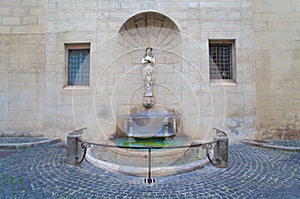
x=151, y=142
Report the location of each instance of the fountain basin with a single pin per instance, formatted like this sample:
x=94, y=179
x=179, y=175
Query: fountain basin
x=136, y=161
x=154, y=127
x=157, y=121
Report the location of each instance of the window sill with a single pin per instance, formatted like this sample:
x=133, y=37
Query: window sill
x=222, y=82
x=77, y=87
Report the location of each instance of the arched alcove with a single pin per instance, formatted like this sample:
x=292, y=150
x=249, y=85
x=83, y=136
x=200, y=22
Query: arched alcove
x=149, y=29
x=149, y=19
x=159, y=32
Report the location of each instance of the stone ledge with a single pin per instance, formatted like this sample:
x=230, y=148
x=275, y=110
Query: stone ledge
x=269, y=145
x=47, y=141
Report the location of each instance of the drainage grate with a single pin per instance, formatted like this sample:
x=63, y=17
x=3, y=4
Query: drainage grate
x=149, y=181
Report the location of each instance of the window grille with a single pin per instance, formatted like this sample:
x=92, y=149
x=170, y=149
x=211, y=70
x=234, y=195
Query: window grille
x=78, y=66
x=220, y=61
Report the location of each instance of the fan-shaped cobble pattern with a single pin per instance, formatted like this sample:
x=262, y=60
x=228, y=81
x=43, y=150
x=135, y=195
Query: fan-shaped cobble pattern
x=42, y=172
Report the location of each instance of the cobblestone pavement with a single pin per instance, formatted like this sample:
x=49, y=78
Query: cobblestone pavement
x=42, y=172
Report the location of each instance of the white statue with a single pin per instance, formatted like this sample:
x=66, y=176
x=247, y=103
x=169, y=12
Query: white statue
x=148, y=76
x=148, y=71
x=148, y=56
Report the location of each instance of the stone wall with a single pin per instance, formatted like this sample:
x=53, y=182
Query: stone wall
x=34, y=97
x=226, y=106
x=22, y=65
x=277, y=53
x=116, y=75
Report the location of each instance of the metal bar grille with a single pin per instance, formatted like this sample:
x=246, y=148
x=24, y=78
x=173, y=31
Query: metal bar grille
x=78, y=67
x=220, y=61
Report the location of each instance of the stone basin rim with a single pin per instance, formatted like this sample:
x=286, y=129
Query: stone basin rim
x=143, y=171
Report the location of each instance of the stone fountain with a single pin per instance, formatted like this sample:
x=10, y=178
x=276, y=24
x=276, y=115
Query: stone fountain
x=148, y=125
x=150, y=120
x=153, y=127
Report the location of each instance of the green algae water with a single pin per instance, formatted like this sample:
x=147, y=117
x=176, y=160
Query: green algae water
x=151, y=142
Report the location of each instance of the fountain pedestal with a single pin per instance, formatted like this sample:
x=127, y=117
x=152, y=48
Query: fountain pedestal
x=149, y=120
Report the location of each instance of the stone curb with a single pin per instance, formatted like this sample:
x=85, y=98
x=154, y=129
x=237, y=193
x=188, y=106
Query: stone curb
x=47, y=141
x=270, y=146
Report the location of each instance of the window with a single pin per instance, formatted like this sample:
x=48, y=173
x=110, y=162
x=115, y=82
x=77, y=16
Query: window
x=78, y=64
x=221, y=60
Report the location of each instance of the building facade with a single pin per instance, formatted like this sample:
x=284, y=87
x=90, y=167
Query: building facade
x=228, y=64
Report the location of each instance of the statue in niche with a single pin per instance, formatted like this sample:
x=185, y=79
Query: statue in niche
x=148, y=77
